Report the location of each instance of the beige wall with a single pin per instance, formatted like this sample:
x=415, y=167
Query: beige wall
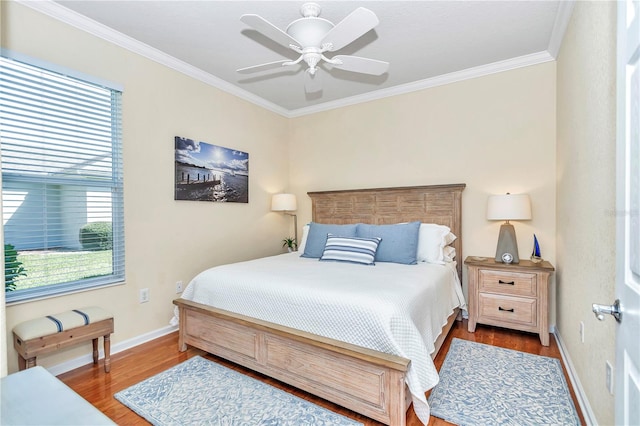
x=586, y=194
x=166, y=240
x=495, y=133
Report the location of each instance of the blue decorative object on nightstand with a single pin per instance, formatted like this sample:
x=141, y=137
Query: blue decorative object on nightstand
x=535, y=254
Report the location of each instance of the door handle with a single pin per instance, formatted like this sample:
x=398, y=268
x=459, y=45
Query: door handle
x=600, y=310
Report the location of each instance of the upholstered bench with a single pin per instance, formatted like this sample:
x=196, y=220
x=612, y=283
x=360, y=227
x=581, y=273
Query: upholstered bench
x=47, y=334
x=36, y=397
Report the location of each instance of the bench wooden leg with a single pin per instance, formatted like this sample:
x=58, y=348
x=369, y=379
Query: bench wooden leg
x=23, y=364
x=95, y=350
x=107, y=353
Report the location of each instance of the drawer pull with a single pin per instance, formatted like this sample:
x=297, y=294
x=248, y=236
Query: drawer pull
x=500, y=308
x=507, y=282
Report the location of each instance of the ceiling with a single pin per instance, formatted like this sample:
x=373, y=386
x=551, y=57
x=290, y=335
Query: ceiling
x=427, y=43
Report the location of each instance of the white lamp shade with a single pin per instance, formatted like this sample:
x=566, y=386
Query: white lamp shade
x=284, y=202
x=509, y=207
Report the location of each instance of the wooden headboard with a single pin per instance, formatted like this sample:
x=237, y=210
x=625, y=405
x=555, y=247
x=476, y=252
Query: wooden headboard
x=441, y=204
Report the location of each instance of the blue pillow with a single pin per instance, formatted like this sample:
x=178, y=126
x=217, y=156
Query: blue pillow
x=351, y=249
x=317, y=237
x=399, y=242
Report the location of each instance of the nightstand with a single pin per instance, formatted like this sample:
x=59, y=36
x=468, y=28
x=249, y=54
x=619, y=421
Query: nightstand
x=513, y=296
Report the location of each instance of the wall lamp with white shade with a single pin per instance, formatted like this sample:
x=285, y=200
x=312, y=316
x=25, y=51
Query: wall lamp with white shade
x=286, y=203
x=508, y=207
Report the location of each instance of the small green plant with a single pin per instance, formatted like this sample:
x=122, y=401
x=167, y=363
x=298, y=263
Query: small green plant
x=290, y=243
x=12, y=267
x=96, y=236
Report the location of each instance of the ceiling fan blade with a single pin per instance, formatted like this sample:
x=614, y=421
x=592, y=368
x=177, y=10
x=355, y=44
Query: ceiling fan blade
x=361, y=65
x=267, y=29
x=312, y=82
x=355, y=25
x=262, y=67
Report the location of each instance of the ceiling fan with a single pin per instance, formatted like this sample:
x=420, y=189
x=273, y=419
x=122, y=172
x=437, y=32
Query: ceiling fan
x=312, y=37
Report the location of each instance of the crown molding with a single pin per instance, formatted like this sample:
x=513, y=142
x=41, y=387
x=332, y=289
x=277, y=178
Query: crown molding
x=563, y=16
x=70, y=17
x=467, y=74
x=61, y=13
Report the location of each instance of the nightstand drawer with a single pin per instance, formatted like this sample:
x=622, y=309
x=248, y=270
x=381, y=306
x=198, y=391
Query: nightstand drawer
x=503, y=282
x=507, y=309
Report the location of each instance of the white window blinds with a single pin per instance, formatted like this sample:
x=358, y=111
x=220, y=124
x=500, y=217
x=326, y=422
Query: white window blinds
x=61, y=182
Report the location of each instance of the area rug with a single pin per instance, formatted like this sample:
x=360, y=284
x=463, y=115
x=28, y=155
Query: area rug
x=201, y=392
x=486, y=385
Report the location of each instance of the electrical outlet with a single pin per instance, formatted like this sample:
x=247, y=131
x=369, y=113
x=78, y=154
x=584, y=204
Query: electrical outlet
x=178, y=287
x=144, y=295
x=610, y=377
x=582, y=331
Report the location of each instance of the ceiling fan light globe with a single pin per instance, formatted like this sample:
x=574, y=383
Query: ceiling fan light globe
x=309, y=31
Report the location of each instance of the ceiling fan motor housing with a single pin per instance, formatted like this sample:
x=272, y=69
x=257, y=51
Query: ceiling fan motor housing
x=310, y=9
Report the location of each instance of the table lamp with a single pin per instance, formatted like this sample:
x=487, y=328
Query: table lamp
x=508, y=207
x=286, y=203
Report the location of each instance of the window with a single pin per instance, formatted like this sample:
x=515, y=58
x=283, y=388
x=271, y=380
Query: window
x=62, y=202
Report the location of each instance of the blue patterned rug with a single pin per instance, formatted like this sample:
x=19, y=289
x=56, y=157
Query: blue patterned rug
x=201, y=392
x=486, y=385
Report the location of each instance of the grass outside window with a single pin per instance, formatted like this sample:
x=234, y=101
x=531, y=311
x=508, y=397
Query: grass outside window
x=54, y=267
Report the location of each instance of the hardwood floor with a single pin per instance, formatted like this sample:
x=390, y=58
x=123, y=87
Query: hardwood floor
x=134, y=365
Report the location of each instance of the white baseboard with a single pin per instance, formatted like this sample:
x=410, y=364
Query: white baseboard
x=585, y=407
x=118, y=347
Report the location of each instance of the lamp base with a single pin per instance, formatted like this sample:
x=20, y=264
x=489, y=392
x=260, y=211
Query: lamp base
x=507, y=243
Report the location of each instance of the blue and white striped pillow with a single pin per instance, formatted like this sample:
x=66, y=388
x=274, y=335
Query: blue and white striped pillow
x=351, y=249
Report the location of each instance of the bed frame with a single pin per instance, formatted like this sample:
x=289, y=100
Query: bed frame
x=369, y=382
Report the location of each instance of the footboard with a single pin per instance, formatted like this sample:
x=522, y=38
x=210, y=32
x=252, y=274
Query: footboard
x=365, y=381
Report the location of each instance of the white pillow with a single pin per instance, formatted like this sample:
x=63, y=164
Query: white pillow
x=432, y=240
x=449, y=238
x=303, y=240
x=449, y=253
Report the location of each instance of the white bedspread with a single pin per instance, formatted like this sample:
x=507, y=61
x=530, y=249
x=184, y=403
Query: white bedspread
x=392, y=308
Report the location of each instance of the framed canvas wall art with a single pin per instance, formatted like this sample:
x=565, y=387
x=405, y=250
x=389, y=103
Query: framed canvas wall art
x=206, y=172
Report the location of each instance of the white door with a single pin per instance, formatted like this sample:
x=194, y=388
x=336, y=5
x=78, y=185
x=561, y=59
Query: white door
x=627, y=376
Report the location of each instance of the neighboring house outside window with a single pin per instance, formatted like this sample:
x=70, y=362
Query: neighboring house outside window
x=62, y=189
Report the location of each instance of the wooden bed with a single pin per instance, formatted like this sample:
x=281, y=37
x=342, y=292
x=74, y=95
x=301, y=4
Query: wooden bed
x=369, y=382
